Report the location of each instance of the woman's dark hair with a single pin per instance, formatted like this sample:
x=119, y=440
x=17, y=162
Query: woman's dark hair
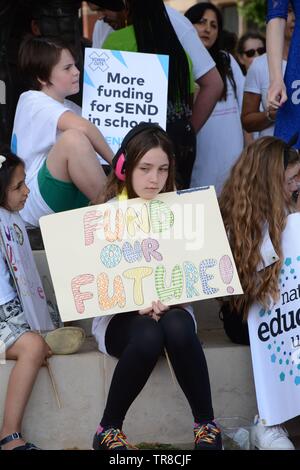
x=250, y=35
x=221, y=58
x=37, y=57
x=155, y=34
x=6, y=171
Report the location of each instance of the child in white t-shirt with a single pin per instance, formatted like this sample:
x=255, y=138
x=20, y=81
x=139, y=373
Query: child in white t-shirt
x=58, y=146
x=22, y=306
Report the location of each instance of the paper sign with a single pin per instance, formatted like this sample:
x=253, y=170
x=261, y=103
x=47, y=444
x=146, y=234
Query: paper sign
x=275, y=338
x=120, y=256
x=121, y=89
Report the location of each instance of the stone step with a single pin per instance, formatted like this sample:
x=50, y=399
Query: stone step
x=160, y=413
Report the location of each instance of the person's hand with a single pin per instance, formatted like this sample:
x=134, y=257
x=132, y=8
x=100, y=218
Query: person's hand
x=298, y=202
x=271, y=113
x=49, y=353
x=156, y=310
x=276, y=94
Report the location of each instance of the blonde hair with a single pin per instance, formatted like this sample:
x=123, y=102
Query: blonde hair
x=252, y=200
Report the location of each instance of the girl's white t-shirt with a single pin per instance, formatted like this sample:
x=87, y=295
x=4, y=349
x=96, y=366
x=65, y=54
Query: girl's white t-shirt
x=7, y=291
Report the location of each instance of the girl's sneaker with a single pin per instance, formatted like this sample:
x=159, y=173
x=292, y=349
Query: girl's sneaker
x=207, y=436
x=269, y=437
x=112, y=439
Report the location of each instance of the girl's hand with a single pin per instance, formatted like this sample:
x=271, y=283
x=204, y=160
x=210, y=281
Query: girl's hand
x=276, y=94
x=156, y=310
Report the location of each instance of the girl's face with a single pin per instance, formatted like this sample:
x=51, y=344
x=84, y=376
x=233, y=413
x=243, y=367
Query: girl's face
x=64, y=78
x=291, y=179
x=207, y=28
x=150, y=174
x=253, y=48
x=17, y=191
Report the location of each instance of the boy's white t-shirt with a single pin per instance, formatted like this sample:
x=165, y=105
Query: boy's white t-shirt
x=257, y=81
x=221, y=139
x=34, y=134
x=186, y=33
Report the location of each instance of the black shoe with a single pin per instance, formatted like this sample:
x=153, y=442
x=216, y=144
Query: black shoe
x=208, y=437
x=112, y=439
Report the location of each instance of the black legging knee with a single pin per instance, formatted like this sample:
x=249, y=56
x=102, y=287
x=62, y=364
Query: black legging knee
x=139, y=341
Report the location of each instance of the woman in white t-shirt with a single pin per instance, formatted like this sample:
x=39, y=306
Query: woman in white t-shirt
x=256, y=115
x=221, y=139
x=57, y=145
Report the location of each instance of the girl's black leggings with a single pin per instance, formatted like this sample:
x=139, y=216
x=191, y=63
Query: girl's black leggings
x=138, y=341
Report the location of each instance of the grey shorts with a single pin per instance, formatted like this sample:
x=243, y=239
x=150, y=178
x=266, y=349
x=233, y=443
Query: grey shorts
x=13, y=323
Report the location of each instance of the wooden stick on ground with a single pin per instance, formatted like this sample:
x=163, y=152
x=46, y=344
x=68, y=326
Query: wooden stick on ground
x=53, y=383
x=171, y=368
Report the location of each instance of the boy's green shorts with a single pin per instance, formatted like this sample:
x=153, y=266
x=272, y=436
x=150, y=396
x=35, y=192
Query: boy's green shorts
x=59, y=195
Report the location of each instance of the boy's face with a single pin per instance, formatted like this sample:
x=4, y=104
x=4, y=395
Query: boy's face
x=64, y=78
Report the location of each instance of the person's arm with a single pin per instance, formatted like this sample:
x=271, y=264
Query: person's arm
x=69, y=120
x=275, y=41
x=253, y=119
x=211, y=87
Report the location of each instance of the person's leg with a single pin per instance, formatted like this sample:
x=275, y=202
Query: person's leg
x=29, y=351
x=73, y=159
x=189, y=363
x=188, y=360
x=138, y=341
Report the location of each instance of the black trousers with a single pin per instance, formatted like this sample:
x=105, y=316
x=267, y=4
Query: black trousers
x=138, y=341
x=183, y=137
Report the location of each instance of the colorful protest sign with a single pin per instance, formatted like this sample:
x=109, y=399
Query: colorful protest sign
x=275, y=338
x=16, y=249
x=121, y=89
x=120, y=256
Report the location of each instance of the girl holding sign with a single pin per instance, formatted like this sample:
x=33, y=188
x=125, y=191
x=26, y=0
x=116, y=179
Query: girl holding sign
x=21, y=309
x=255, y=203
x=57, y=145
x=144, y=167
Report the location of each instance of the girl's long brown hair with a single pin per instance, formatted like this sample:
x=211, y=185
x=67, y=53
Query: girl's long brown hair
x=252, y=200
x=135, y=150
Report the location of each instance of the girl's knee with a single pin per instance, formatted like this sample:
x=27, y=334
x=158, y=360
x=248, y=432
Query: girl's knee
x=34, y=346
x=178, y=327
x=149, y=339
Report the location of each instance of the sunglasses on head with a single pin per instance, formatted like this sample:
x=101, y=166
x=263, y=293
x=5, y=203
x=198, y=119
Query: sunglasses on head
x=251, y=52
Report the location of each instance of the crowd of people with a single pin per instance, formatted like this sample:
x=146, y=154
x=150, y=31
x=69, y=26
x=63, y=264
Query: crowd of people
x=231, y=123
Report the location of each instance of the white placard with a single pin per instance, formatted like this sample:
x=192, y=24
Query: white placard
x=120, y=256
x=122, y=89
x=275, y=338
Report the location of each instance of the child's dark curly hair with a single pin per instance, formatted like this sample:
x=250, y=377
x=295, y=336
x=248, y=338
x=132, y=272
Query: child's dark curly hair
x=6, y=171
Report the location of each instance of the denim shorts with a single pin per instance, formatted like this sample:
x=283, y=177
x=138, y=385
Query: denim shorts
x=13, y=323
